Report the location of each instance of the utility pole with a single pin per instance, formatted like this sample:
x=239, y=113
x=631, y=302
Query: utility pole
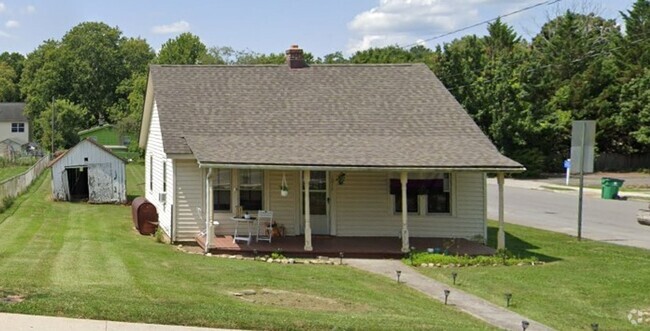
x=52, y=151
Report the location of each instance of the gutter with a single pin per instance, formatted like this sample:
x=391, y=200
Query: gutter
x=353, y=168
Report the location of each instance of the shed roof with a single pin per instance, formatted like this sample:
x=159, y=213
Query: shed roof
x=385, y=116
x=87, y=140
x=12, y=112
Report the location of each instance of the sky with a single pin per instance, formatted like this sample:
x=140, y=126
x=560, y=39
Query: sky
x=271, y=26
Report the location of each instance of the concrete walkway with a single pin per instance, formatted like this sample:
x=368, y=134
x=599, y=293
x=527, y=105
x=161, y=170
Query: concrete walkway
x=19, y=322
x=479, y=308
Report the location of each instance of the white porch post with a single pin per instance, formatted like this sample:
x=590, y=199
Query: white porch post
x=209, y=198
x=501, y=235
x=306, y=177
x=405, y=230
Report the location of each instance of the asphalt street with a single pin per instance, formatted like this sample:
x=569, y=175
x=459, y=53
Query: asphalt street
x=604, y=220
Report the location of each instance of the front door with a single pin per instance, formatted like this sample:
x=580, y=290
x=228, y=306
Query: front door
x=318, y=203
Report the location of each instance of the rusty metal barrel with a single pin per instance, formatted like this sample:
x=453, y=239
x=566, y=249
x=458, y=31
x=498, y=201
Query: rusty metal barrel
x=145, y=216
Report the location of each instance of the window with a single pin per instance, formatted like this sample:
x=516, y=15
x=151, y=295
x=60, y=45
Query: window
x=221, y=190
x=164, y=176
x=151, y=173
x=435, y=188
x=250, y=189
x=17, y=127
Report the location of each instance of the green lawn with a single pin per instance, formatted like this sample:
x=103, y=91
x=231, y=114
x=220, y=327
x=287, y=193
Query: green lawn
x=581, y=283
x=81, y=260
x=8, y=172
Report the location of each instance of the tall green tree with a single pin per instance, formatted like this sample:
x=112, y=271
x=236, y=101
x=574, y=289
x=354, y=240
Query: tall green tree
x=186, y=48
x=69, y=119
x=8, y=88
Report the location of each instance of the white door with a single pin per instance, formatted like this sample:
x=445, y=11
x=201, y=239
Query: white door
x=100, y=183
x=318, y=203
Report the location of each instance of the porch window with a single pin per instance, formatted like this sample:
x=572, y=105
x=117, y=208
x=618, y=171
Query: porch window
x=250, y=189
x=435, y=188
x=221, y=190
x=17, y=127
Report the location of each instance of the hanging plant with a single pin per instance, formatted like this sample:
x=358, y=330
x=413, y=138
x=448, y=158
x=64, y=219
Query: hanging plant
x=284, y=188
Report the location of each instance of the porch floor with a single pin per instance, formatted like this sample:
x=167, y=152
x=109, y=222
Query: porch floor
x=357, y=247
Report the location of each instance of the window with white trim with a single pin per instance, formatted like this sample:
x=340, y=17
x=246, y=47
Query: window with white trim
x=435, y=188
x=222, y=188
x=251, y=184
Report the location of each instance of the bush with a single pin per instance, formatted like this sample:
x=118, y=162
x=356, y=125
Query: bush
x=502, y=257
x=533, y=159
x=6, y=203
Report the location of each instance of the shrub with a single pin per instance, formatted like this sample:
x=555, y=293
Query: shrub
x=502, y=257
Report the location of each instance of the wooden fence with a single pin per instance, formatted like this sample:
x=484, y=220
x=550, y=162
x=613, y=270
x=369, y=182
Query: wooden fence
x=618, y=162
x=16, y=185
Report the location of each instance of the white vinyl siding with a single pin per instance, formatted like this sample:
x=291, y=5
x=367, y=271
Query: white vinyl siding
x=189, y=197
x=363, y=208
x=286, y=210
x=154, y=158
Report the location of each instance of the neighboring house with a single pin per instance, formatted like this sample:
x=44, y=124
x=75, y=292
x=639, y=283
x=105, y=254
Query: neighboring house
x=108, y=136
x=89, y=171
x=386, y=149
x=13, y=123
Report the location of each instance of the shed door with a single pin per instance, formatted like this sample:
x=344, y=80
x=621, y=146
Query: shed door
x=100, y=183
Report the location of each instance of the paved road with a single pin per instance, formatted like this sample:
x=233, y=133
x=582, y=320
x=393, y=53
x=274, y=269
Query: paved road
x=605, y=220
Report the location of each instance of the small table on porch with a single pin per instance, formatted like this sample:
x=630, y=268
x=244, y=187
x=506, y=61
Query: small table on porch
x=243, y=236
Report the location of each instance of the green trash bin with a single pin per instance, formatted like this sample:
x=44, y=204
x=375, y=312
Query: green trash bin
x=610, y=187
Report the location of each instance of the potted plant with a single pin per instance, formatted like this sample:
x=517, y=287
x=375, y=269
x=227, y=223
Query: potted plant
x=284, y=190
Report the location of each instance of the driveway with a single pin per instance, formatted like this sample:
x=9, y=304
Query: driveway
x=604, y=220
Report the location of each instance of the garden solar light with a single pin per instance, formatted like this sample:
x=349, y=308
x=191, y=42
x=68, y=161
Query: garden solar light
x=340, y=257
x=594, y=326
x=508, y=297
x=453, y=276
x=525, y=325
x=398, y=273
x=446, y=295
x=411, y=254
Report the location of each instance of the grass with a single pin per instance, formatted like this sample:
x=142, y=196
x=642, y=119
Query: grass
x=11, y=171
x=580, y=283
x=86, y=261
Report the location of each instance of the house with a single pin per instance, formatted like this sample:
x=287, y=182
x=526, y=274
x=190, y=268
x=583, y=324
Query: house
x=13, y=123
x=108, y=136
x=365, y=150
x=89, y=171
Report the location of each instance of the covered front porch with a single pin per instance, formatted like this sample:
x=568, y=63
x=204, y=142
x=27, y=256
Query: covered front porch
x=332, y=246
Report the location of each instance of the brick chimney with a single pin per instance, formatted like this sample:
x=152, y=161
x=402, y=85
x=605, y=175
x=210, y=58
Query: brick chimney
x=295, y=57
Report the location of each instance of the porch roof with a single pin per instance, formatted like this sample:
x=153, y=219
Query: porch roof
x=344, y=152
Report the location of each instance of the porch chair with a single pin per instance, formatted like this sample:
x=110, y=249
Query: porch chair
x=264, y=224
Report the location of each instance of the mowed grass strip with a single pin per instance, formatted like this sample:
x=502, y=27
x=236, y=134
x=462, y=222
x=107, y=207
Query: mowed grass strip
x=581, y=282
x=11, y=171
x=81, y=260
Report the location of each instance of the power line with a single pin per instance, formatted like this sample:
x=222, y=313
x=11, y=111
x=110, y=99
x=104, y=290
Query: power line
x=548, y=2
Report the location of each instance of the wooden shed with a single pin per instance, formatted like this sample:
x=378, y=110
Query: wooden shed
x=89, y=172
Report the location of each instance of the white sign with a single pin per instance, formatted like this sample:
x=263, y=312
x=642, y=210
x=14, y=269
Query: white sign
x=583, y=135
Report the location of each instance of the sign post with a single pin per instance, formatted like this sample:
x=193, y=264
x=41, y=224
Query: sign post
x=583, y=139
x=567, y=167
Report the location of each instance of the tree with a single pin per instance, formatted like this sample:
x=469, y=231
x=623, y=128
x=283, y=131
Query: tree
x=634, y=48
x=184, y=49
x=8, y=89
x=69, y=119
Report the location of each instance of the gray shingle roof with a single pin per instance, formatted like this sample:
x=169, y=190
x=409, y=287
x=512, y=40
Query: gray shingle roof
x=397, y=115
x=12, y=112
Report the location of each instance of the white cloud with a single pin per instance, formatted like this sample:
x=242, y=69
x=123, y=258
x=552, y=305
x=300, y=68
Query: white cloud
x=176, y=27
x=3, y=8
x=406, y=22
x=11, y=24
x=30, y=9
x=5, y=35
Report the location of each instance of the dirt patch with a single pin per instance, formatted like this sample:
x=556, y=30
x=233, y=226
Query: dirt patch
x=12, y=298
x=290, y=299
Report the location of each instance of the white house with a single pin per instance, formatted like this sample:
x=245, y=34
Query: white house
x=89, y=171
x=366, y=150
x=13, y=123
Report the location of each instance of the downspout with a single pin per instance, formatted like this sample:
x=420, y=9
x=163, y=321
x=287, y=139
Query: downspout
x=208, y=216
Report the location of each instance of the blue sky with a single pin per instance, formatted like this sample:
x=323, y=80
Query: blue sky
x=265, y=26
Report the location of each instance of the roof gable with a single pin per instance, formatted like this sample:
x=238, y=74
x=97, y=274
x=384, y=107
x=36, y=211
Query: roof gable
x=394, y=115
